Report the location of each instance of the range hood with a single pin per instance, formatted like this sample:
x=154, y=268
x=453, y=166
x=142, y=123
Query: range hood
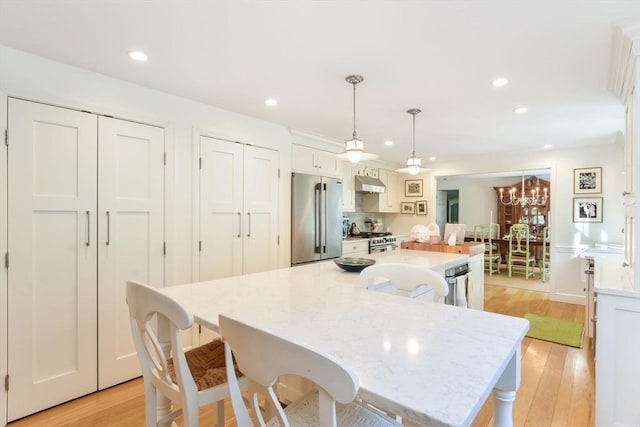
x=369, y=184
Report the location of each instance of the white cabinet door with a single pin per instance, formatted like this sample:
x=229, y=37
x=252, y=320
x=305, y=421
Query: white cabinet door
x=221, y=210
x=389, y=199
x=260, y=240
x=130, y=235
x=52, y=319
x=316, y=162
x=238, y=209
x=348, y=188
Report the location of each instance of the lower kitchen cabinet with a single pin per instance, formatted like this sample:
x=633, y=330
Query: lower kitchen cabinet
x=355, y=248
x=617, y=367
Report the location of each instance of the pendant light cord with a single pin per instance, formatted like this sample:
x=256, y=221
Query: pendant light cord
x=413, y=153
x=354, y=111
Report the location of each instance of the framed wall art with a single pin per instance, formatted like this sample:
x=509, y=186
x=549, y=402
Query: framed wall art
x=413, y=188
x=407, y=208
x=421, y=207
x=587, y=209
x=587, y=181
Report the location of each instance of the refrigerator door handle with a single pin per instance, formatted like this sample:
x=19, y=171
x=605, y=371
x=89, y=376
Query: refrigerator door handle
x=323, y=223
x=318, y=218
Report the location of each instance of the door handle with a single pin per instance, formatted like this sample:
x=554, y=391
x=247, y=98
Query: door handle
x=88, y=242
x=239, y=225
x=108, y=228
x=249, y=225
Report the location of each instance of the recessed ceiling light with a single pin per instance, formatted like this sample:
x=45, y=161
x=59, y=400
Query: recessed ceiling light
x=388, y=143
x=547, y=146
x=499, y=82
x=271, y=102
x=138, y=55
x=431, y=159
x=520, y=110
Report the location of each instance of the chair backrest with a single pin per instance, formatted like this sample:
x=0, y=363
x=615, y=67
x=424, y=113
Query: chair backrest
x=406, y=278
x=145, y=304
x=519, y=239
x=262, y=357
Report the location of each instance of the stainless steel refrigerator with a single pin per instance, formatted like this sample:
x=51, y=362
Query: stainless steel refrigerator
x=316, y=218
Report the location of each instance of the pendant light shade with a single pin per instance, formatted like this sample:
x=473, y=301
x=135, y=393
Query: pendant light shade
x=354, y=148
x=414, y=164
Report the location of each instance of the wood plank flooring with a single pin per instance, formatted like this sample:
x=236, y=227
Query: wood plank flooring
x=557, y=387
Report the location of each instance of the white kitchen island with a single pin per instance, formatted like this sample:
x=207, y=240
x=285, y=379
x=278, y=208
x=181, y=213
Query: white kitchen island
x=432, y=364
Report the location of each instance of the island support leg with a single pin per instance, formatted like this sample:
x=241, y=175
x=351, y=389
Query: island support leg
x=504, y=393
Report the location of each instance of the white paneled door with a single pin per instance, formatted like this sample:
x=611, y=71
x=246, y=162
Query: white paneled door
x=130, y=235
x=238, y=208
x=52, y=330
x=85, y=214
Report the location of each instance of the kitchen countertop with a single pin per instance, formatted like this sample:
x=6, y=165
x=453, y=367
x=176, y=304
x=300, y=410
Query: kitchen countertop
x=433, y=364
x=610, y=277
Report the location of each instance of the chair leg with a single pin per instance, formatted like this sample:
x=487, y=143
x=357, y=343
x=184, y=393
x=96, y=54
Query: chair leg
x=220, y=413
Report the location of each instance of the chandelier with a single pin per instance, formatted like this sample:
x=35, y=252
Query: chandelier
x=414, y=163
x=512, y=198
x=354, y=148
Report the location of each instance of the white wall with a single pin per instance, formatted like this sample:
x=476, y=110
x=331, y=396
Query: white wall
x=402, y=223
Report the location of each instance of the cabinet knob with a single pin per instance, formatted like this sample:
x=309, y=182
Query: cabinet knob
x=625, y=264
x=626, y=193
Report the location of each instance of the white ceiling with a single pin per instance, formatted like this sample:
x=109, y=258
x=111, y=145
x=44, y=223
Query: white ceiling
x=439, y=56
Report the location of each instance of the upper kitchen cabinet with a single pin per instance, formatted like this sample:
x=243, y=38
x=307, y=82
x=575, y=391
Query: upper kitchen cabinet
x=348, y=187
x=536, y=215
x=238, y=208
x=316, y=162
x=387, y=202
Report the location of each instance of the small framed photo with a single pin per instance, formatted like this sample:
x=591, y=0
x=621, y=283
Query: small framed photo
x=421, y=207
x=587, y=181
x=587, y=209
x=407, y=208
x=413, y=188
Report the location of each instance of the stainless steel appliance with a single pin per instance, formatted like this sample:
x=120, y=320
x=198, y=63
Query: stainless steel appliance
x=382, y=244
x=316, y=218
x=452, y=276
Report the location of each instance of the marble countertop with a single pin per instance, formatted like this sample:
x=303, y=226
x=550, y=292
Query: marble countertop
x=429, y=363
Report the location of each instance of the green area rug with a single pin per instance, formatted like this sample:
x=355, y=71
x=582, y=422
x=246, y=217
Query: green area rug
x=554, y=330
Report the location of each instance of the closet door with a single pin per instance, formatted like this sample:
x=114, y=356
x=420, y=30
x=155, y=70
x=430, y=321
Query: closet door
x=221, y=210
x=260, y=248
x=52, y=248
x=130, y=235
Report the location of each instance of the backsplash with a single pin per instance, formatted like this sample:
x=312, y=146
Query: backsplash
x=359, y=215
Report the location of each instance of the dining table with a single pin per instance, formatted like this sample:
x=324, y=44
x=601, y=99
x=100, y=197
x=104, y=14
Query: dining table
x=430, y=363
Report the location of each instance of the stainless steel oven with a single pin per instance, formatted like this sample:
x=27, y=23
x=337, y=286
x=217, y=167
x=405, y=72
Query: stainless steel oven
x=382, y=244
x=455, y=276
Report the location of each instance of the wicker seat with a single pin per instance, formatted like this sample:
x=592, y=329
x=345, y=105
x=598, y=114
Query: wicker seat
x=192, y=379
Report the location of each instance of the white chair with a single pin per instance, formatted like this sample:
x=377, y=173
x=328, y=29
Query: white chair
x=412, y=281
x=263, y=357
x=192, y=379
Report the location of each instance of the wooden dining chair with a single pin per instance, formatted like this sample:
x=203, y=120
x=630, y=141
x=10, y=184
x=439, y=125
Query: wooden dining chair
x=489, y=235
x=192, y=379
x=519, y=254
x=545, y=262
x=263, y=356
x=412, y=281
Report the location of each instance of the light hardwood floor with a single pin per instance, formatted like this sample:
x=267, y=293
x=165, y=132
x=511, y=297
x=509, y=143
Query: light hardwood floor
x=557, y=387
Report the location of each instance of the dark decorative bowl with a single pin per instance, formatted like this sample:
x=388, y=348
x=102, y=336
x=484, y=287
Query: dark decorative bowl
x=354, y=265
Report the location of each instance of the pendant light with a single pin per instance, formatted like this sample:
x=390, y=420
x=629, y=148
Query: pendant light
x=354, y=148
x=414, y=164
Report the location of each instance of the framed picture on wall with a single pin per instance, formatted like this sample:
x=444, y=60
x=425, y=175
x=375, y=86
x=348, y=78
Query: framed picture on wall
x=413, y=188
x=587, y=180
x=421, y=207
x=407, y=208
x=587, y=209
